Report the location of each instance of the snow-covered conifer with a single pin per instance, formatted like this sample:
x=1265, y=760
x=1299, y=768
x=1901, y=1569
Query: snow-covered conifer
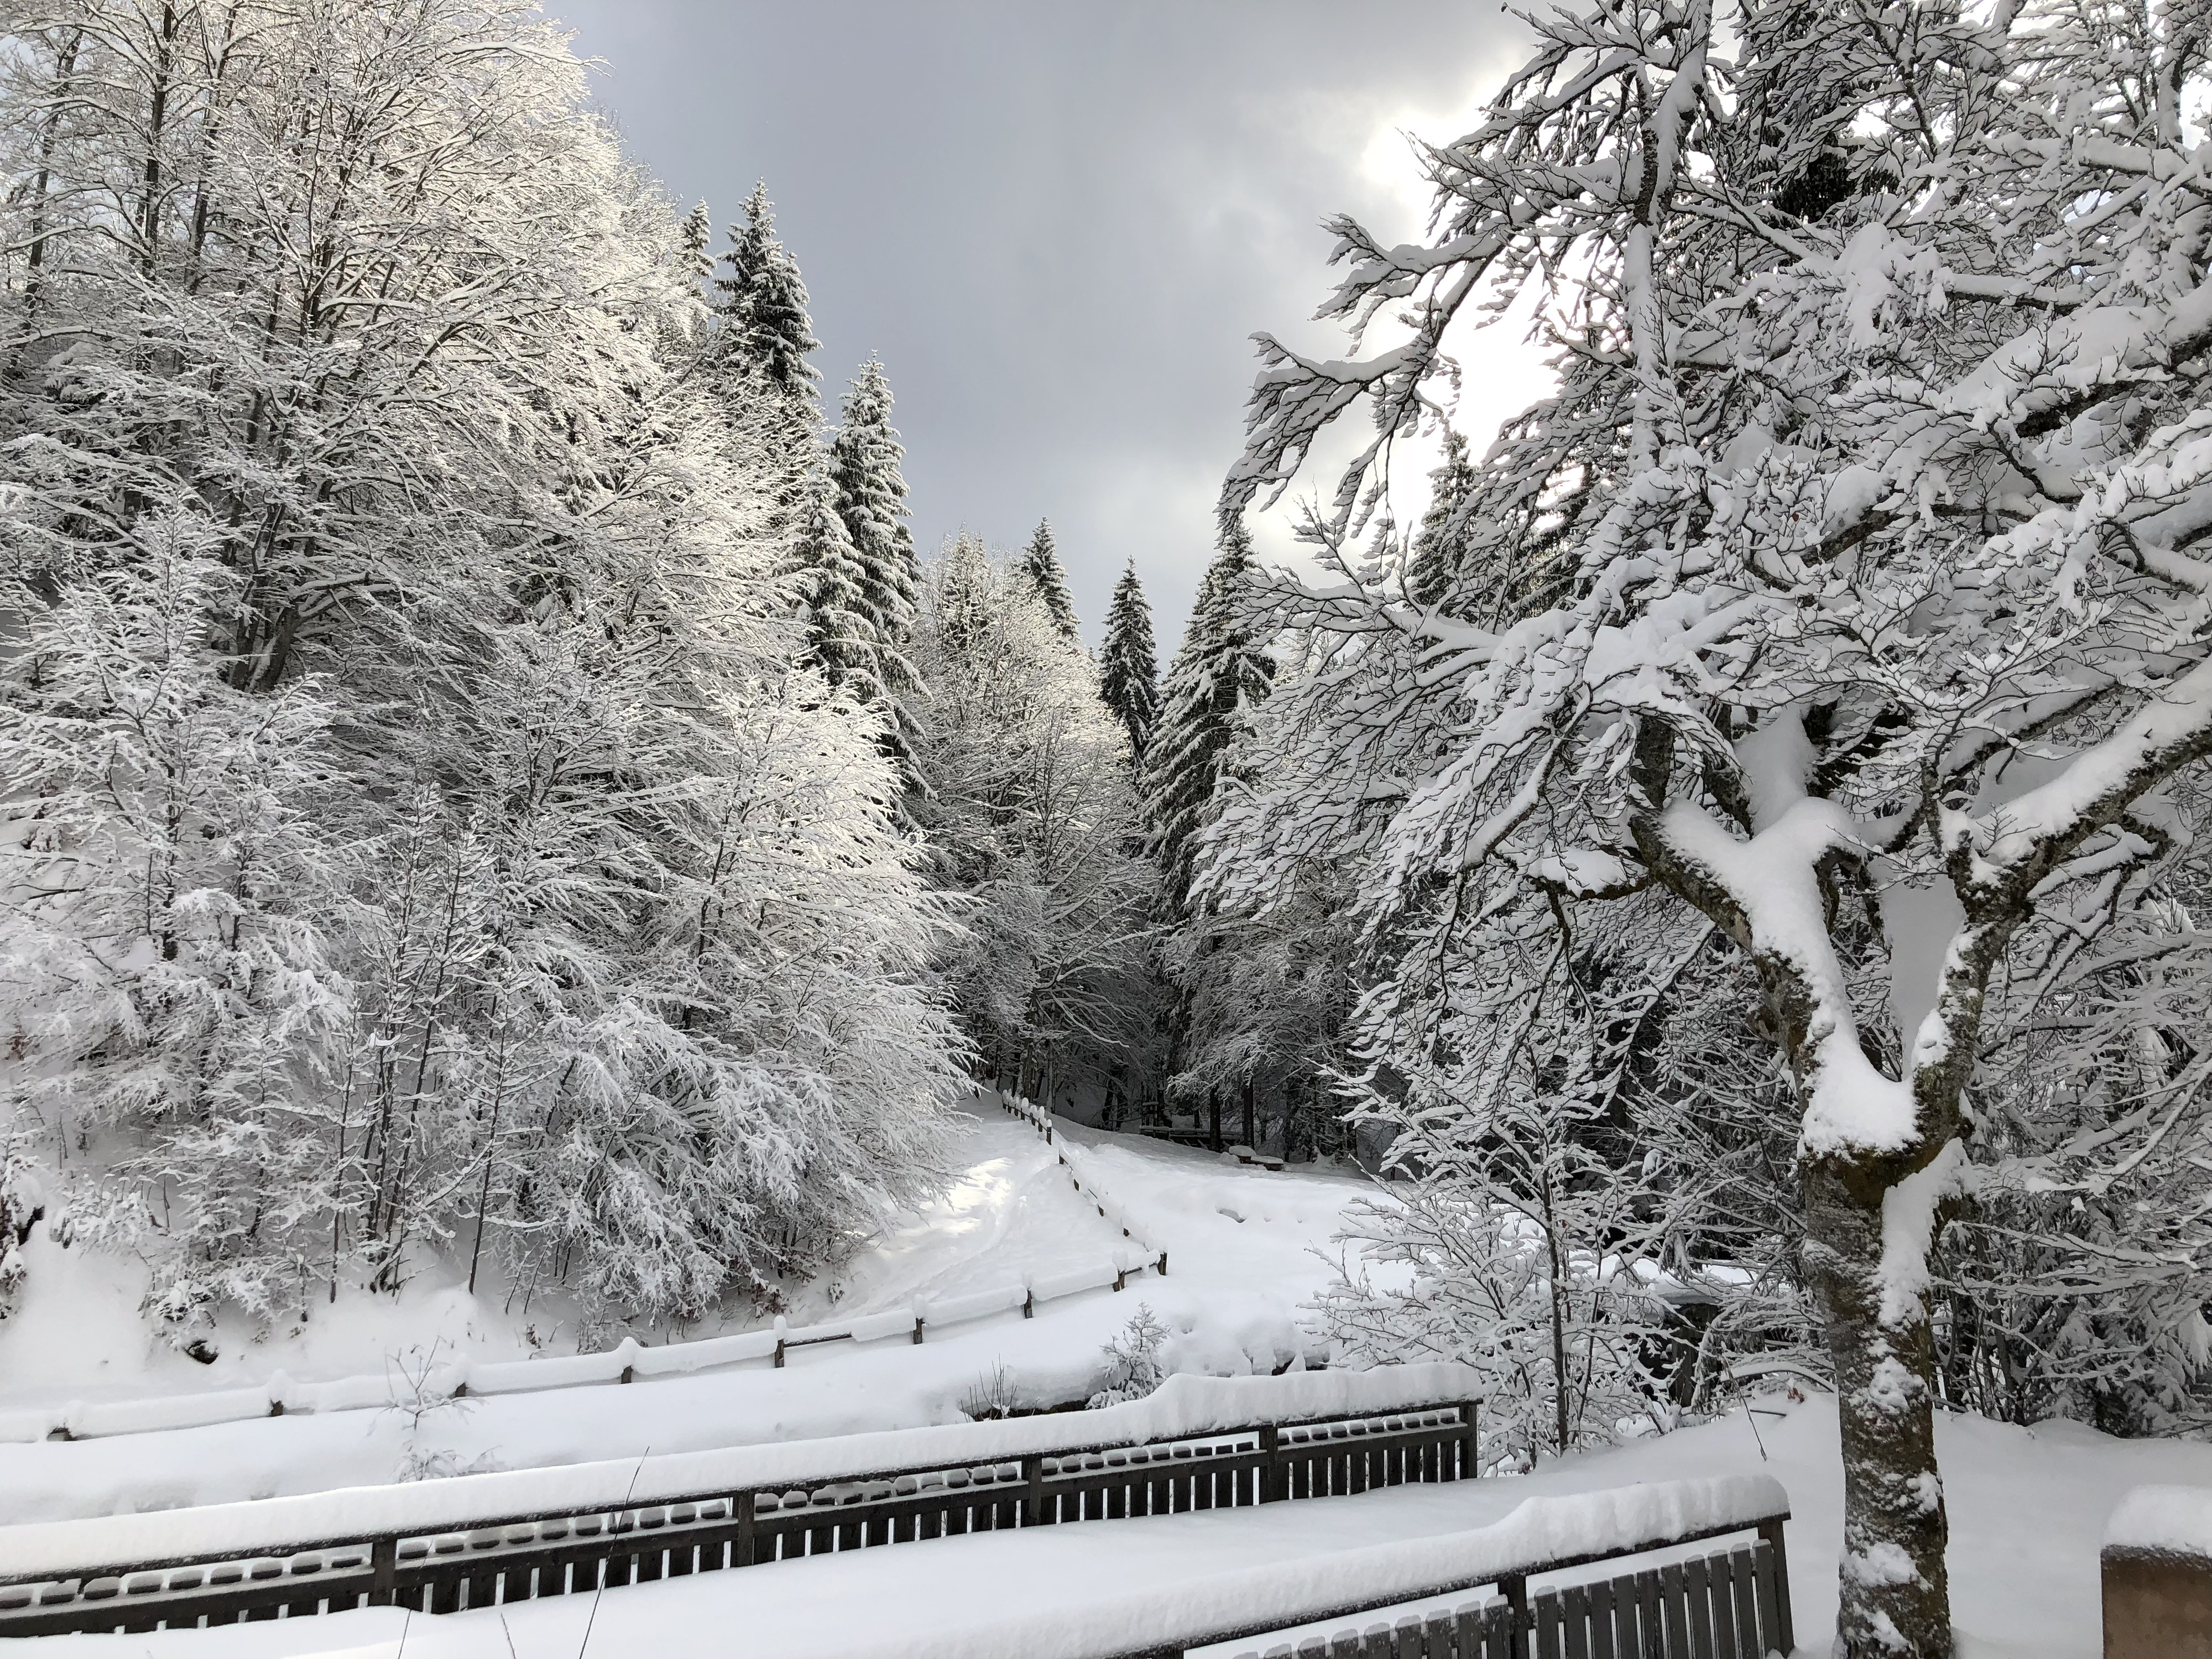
x=1040, y=564
x=871, y=498
x=1128, y=666
x=1220, y=673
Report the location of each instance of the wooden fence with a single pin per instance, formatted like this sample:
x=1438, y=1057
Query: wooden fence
x=1724, y=1604
x=511, y=1558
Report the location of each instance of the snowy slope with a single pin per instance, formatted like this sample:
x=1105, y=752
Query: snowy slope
x=1231, y=1302
x=2027, y=1508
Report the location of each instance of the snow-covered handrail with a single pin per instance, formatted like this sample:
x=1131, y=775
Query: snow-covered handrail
x=1197, y=1442
x=1118, y=1620
x=628, y=1361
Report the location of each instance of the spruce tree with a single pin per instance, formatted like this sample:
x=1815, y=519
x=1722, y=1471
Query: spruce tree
x=1040, y=564
x=1129, y=670
x=1220, y=672
x=760, y=354
x=763, y=302
x=842, y=639
x=869, y=493
x=1434, y=563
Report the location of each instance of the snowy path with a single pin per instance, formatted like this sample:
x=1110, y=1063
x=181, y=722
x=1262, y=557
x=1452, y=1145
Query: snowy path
x=2027, y=1507
x=1231, y=1302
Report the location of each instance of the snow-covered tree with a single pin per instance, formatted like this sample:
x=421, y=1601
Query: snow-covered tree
x=1222, y=671
x=1843, y=593
x=1128, y=664
x=869, y=495
x=1031, y=812
x=421, y=832
x=1040, y=564
x=761, y=302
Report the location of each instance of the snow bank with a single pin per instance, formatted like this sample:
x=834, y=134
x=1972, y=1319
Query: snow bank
x=1122, y=1618
x=2169, y=1519
x=1184, y=1406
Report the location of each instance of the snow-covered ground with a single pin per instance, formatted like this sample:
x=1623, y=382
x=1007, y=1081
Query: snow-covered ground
x=2026, y=1506
x=1231, y=1302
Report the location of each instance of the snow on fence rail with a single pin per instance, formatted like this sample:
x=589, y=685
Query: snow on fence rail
x=1733, y=1603
x=442, y=1547
x=629, y=1361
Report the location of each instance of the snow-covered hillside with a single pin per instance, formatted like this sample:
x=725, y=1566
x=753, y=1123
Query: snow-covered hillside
x=1245, y=1252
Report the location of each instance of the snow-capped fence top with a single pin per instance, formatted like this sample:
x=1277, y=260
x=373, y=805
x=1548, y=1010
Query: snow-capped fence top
x=1128, y=1621
x=2163, y=1521
x=2157, y=1568
x=1183, y=1406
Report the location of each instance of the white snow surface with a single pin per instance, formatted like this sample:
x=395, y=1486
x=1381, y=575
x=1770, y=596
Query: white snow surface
x=2028, y=1508
x=1242, y=1243
x=1183, y=1406
x=2171, y=1520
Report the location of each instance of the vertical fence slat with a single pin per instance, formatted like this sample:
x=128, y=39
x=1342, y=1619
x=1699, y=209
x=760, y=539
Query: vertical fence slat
x=1600, y=1619
x=1721, y=1573
x=1697, y=1591
x=1770, y=1619
x=1748, y=1643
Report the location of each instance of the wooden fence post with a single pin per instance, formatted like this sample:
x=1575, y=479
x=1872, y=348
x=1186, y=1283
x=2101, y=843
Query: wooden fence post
x=1771, y=1533
x=1467, y=1466
x=745, y=1545
x=1033, y=1498
x=1513, y=1587
x=383, y=1571
x=1271, y=1472
x=917, y=1330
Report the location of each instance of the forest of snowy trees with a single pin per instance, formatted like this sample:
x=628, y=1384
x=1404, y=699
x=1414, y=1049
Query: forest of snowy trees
x=485, y=773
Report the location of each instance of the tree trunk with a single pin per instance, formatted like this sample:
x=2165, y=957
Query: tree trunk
x=1213, y=1118
x=1895, y=1585
x=1251, y=1129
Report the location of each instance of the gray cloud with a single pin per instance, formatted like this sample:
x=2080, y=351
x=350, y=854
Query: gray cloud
x=1057, y=223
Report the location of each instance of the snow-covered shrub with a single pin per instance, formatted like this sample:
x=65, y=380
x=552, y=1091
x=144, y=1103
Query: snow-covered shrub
x=1133, y=1361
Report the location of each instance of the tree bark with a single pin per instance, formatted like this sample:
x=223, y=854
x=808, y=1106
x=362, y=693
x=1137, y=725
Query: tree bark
x=1894, y=1582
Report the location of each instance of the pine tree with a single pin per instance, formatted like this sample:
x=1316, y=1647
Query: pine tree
x=1433, y=564
x=870, y=494
x=763, y=302
x=1219, y=672
x=1129, y=670
x=1040, y=564
x=842, y=638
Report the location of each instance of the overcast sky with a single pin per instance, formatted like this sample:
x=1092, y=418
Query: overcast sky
x=1057, y=223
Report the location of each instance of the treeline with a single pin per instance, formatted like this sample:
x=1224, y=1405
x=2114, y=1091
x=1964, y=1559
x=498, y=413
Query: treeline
x=485, y=779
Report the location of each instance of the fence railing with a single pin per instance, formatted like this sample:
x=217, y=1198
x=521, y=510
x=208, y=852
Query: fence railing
x=1201, y=1443
x=1569, y=1578
x=628, y=1361
x=1079, y=1171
